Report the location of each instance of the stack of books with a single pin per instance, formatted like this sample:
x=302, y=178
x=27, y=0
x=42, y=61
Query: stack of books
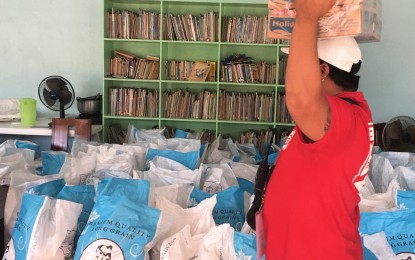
x=246, y=106
x=190, y=70
x=127, y=65
x=191, y=28
x=185, y=104
x=133, y=102
x=241, y=69
x=130, y=25
x=246, y=29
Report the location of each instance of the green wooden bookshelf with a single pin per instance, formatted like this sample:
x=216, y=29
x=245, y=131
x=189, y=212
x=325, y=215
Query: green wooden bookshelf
x=180, y=50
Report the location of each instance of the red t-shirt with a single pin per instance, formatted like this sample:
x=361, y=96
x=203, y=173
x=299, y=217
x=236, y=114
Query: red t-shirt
x=311, y=205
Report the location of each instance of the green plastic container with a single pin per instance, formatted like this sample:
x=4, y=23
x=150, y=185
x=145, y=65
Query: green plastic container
x=28, y=111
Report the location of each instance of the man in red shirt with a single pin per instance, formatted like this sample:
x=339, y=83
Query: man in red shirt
x=311, y=205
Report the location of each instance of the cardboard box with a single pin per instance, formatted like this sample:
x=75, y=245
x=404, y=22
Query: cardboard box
x=361, y=20
x=290, y=4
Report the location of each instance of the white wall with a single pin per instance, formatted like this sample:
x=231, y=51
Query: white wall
x=50, y=37
x=388, y=74
x=58, y=37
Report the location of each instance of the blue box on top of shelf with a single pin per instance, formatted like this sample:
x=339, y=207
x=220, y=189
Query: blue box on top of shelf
x=359, y=18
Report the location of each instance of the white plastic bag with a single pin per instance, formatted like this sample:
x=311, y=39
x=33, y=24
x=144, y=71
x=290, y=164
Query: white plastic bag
x=135, y=135
x=118, y=228
x=380, y=201
x=214, y=154
x=406, y=176
x=199, y=220
x=82, y=146
x=77, y=169
x=177, y=144
x=244, y=170
x=138, y=150
x=381, y=173
x=45, y=229
x=161, y=177
x=169, y=164
x=216, y=244
x=29, y=154
x=216, y=177
x=19, y=183
x=379, y=246
x=21, y=144
x=113, y=159
x=176, y=193
x=11, y=163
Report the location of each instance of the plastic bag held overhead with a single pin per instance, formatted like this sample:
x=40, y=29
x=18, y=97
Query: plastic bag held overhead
x=359, y=18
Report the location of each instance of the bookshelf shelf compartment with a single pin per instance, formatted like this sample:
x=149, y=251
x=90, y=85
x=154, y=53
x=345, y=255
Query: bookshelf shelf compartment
x=188, y=120
x=130, y=40
x=233, y=122
x=261, y=45
x=168, y=48
x=130, y=80
x=131, y=118
x=183, y=82
x=246, y=85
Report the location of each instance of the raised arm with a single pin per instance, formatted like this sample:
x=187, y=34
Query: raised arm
x=304, y=93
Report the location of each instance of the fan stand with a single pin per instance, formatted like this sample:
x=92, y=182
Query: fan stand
x=62, y=109
x=61, y=112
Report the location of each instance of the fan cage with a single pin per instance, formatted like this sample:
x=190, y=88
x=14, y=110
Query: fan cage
x=404, y=141
x=56, y=106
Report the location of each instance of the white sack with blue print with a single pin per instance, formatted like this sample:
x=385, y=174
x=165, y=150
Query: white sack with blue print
x=45, y=229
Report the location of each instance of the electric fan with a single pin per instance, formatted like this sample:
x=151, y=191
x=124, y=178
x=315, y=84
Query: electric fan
x=399, y=135
x=56, y=93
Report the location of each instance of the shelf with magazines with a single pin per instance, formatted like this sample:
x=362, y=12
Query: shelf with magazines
x=202, y=65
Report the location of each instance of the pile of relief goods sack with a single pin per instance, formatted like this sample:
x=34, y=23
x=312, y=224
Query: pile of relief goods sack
x=150, y=198
x=170, y=198
x=387, y=224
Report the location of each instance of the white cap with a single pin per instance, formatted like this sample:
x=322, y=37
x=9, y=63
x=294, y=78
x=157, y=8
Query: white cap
x=341, y=52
